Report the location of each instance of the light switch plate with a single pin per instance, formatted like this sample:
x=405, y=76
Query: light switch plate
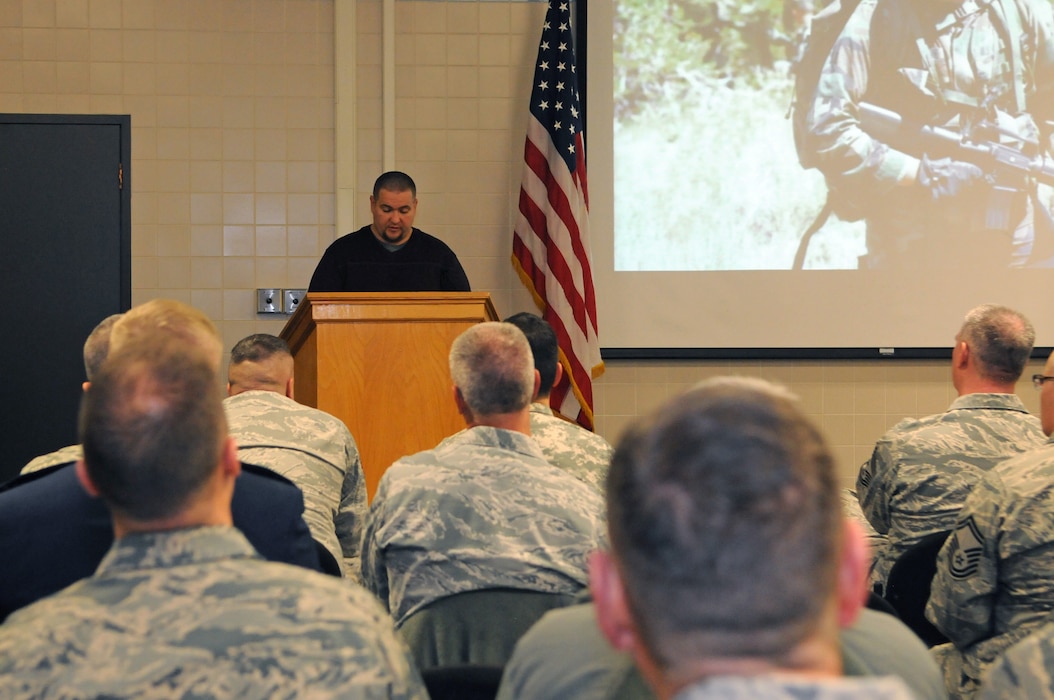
x=268, y=301
x=291, y=299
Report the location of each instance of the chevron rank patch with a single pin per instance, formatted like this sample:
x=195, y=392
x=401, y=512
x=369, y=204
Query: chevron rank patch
x=967, y=543
x=865, y=472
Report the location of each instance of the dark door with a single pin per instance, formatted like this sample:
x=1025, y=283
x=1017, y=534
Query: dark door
x=66, y=264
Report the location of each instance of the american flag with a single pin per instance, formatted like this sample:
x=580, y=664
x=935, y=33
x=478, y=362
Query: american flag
x=550, y=247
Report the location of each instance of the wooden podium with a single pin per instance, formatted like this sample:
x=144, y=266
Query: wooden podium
x=378, y=361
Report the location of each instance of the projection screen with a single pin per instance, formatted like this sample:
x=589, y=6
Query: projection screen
x=698, y=206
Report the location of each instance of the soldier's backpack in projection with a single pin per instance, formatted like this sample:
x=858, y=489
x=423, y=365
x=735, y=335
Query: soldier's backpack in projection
x=827, y=24
x=824, y=28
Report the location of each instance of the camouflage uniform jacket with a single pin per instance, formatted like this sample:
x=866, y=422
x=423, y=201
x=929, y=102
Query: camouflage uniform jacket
x=851, y=509
x=197, y=613
x=570, y=446
x=1026, y=670
x=922, y=469
x=792, y=687
x=993, y=584
x=316, y=452
x=878, y=58
x=484, y=509
x=63, y=456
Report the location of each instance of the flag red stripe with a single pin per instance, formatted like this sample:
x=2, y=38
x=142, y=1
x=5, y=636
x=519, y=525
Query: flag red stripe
x=559, y=203
x=581, y=374
x=539, y=279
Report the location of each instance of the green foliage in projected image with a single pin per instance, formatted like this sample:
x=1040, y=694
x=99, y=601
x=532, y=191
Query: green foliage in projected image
x=664, y=47
x=702, y=91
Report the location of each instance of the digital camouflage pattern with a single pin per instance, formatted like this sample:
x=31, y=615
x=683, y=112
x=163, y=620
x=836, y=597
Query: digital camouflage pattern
x=993, y=584
x=66, y=455
x=316, y=452
x=196, y=613
x=877, y=59
x=851, y=509
x=570, y=446
x=1026, y=670
x=788, y=687
x=484, y=509
x=922, y=469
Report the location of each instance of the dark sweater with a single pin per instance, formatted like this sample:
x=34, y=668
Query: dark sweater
x=358, y=262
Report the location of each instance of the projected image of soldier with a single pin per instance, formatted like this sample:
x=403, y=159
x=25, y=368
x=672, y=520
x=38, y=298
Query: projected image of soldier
x=930, y=120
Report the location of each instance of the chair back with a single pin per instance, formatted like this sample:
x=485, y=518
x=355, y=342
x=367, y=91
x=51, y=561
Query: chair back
x=908, y=586
x=879, y=604
x=468, y=682
x=326, y=560
x=476, y=627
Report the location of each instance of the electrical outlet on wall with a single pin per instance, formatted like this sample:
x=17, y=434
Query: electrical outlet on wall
x=291, y=299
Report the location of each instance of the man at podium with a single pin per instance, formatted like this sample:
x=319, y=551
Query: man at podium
x=390, y=255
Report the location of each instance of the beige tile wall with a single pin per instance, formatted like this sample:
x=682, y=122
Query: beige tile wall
x=854, y=401
x=231, y=103
x=233, y=161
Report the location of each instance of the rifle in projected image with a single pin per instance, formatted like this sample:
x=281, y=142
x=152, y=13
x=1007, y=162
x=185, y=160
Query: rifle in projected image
x=1002, y=163
x=1009, y=170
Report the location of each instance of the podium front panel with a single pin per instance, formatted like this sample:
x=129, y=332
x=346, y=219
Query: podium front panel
x=379, y=362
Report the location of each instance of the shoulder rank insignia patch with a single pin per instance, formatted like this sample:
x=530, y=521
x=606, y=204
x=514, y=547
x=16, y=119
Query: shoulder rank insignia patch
x=967, y=544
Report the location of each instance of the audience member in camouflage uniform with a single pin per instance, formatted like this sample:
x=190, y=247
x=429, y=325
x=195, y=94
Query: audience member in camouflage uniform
x=309, y=447
x=182, y=606
x=939, y=64
x=53, y=533
x=922, y=469
x=853, y=511
x=95, y=349
x=567, y=445
x=731, y=568
x=993, y=584
x=1026, y=670
x=484, y=509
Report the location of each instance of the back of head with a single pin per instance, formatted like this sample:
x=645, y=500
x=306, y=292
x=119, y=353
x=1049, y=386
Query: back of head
x=394, y=181
x=97, y=346
x=1001, y=340
x=153, y=428
x=724, y=516
x=167, y=319
x=492, y=366
x=544, y=347
x=259, y=362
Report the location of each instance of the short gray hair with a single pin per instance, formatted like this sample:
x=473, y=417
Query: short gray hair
x=1001, y=339
x=491, y=364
